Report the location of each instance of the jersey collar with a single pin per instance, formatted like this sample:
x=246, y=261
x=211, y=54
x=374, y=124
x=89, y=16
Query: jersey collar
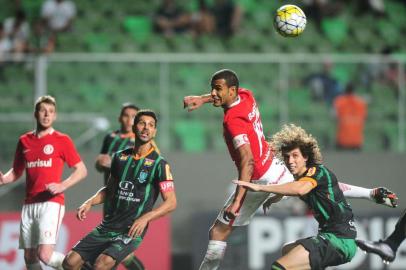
x=145, y=155
x=50, y=132
x=235, y=102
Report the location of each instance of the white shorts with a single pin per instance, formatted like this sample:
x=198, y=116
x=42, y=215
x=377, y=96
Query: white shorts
x=40, y=224
x=278, y=173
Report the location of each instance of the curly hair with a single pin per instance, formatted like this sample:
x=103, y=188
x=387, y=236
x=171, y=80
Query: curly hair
x=291, y=137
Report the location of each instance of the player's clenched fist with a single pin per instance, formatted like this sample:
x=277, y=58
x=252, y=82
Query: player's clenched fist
x=192, y=102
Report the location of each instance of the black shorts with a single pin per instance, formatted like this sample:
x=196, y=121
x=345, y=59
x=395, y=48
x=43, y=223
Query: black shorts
x=115, y=245
x=328, y=250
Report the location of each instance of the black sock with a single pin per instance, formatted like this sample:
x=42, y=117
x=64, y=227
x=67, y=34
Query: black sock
x=277, y=266
x=399, y=234
x=133, y=263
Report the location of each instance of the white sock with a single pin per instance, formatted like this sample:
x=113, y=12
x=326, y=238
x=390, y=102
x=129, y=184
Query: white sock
x=214, y=255
x=351, y=191
x=56, y=260
x=34, y=266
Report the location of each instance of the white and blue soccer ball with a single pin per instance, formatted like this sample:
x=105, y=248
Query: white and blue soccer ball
x=290, y=21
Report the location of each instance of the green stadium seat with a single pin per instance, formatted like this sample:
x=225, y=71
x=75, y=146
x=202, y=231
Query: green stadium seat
x=192, y=135
x=98, y=42
x=335, y=29
x=139, y=28
x=389, y=32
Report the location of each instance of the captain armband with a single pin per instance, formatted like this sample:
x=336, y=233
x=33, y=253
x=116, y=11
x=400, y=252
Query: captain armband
x=240, y=140
x=166, y=186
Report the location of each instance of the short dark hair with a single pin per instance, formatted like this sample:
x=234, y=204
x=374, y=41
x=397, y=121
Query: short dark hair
x=145, y=112
x=349, y=88
x=126, y=106
x=228, y=75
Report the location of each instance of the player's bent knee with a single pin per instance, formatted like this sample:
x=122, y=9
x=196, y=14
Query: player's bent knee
x=72, y=261
x=104, y=262
x=44, y=256
x=277, y=266
x=220, y=231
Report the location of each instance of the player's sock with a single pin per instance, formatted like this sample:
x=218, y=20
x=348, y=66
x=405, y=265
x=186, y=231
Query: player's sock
x=277, y=266
x=214, y=255
x=133, y=263
x=34, y=266
x=351, y=191
x=399, y=234
x=56, y=260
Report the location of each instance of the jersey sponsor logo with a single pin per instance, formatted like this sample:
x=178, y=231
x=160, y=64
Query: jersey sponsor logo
x=125, y=193
x=142, y=177
x=166, y=186
x=126, y=185
x=168, y=172
x=311, y=171
x=48, y=149
x=240, y=140
x=39, y=163
x=148, y=162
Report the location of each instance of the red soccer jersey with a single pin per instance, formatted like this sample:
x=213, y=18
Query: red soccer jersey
x=43, y=160
x=242, y=124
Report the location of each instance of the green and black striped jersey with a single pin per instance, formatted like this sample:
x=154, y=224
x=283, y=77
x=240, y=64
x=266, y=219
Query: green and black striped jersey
x=114, y=142
x=133, y=188
x=328, y=203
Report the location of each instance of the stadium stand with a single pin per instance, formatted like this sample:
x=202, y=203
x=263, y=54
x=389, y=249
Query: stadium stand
x=90, y=84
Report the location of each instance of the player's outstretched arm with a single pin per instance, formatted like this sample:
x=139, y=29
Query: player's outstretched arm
x=9, y=177
x=194, y=102
x=380, y=195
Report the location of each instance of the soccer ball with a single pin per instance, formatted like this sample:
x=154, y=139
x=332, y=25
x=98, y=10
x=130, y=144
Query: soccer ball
x=290, y=21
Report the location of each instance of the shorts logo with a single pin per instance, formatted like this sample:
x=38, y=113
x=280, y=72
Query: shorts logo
x=149, y=162
x=126, y=185
x=311, y=171
x=48, y=149
x=142, y=177
x=47, y=234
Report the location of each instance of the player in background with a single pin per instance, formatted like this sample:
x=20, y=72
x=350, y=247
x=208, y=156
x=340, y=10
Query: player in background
x=318, y=187
x=388, y=247
x=254, y=159
x=117, y=140
x=113, y=142
x=42, y=154
x=137, y=176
